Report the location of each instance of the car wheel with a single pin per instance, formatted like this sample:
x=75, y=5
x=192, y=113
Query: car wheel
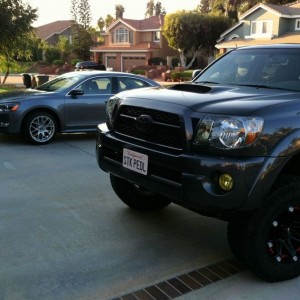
x=39, y=128
x=136, y=197
x=268, y=242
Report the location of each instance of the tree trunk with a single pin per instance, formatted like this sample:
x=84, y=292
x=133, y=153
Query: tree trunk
x=6, y=75
x=182, y=59
x=192, y=60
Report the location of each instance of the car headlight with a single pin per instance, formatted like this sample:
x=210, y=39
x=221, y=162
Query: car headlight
x=228, y=132
x=9, y=107
x=111, y=107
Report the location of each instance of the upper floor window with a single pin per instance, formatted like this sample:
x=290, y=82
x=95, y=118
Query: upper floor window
x=261, y=28
x=156, y=36
x=122, y=35
x=297, y=27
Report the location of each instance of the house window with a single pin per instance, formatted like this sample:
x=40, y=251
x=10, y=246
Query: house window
x=122, y=35
x=261, y=28
x=297, y=24
x=156, y=36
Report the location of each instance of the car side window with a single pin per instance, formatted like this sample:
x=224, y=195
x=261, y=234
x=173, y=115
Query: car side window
x=100, y=85
x=104, y=85
x=127, y=83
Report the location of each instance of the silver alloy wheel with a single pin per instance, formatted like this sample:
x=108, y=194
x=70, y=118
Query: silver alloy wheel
x=42, y=128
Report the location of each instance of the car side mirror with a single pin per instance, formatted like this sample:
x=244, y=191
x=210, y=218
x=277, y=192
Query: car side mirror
x=76, y=92
x=196, y=73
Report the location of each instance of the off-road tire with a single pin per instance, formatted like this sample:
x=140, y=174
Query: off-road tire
x=268, y=241
x=136, y=197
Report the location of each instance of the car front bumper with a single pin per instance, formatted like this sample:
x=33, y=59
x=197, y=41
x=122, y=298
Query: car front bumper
x=189, y=180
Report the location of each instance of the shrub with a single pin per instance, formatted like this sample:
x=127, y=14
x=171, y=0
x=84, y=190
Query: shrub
x=139, y=72
x=58, y=62
x=74, y=61
x=184, y=76
x=51, y=54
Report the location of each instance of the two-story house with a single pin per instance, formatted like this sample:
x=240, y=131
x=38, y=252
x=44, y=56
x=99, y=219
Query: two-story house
x=52, y=31
x=131, y=43
x=264, y=24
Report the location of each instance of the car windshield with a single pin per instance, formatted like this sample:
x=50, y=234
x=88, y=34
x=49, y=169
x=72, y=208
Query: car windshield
x=263, y=68
x=60, y=83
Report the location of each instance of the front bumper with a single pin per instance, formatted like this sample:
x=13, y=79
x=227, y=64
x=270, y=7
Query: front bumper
x=9, y=122
x=186, y=179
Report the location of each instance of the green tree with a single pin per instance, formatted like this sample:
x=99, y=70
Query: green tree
x=192, y=32
x=16, y=32
x=154, y=9
x=101, y=23
x=150, y=9
x=109, y=20
x=234, y=8
x=119, y=11
x=81, y=28
x=158, y=8
x=63, y=47
x=204, y=7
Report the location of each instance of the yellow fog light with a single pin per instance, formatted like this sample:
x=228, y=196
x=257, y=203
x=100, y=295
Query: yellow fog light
x=226, y=182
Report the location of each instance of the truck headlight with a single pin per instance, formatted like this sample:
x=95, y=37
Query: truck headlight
x=228, y=132
x=111, y=107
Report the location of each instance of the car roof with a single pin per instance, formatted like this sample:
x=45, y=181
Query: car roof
x=91, y=73
x=272, y=46
x=98, y=72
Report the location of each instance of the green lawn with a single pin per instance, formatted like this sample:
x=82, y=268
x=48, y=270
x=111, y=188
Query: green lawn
x=8, y=88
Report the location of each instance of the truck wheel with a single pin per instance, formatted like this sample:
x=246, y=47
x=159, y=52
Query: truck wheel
x=268, y=242
x=39, y=128
x=136, y=197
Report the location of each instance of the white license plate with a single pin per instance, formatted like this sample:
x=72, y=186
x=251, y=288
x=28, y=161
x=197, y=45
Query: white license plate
x=135, y=161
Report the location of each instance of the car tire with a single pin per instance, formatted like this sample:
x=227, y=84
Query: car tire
x=136, y=197
x=268, y=241
x=39, y=128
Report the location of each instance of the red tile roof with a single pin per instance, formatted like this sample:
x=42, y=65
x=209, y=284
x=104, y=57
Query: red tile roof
x=152, y=23
x=139, y=47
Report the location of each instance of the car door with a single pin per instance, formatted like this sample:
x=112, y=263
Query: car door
x=86, y=111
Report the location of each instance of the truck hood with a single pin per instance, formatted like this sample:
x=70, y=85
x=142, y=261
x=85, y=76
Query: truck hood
x=216, y=98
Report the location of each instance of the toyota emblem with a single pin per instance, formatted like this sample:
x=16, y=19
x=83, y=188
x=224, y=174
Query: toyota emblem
x=144, y=123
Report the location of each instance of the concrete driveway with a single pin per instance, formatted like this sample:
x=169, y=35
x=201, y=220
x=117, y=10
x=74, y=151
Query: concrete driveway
x=65, y=235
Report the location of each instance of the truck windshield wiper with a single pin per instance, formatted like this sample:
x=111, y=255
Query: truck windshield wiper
x=263, y=86
x=206, y=82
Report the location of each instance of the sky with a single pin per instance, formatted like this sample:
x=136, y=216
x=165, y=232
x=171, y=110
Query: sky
x=55, y=10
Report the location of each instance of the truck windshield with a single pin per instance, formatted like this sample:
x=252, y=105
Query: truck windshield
x=267, y=67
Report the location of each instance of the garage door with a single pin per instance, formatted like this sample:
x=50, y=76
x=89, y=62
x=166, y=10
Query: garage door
x=131, y=61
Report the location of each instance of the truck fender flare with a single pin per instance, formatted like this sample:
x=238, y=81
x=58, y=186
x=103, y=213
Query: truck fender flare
x=284, y=151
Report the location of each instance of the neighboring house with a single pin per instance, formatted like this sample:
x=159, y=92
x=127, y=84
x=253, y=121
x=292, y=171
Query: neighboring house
x=130, y=43
x=264, y=24
x=52, y=31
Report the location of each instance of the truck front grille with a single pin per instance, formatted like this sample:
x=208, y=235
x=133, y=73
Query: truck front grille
x=163, y=128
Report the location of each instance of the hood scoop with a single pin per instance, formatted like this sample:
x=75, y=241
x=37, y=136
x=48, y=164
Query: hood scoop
x=193, y=88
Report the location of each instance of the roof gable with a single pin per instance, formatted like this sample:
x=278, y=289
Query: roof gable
x=149, y=24
x=46, y=31
x=281, y=11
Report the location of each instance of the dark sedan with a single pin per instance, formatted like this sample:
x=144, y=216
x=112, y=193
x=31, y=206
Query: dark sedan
x=73, y=102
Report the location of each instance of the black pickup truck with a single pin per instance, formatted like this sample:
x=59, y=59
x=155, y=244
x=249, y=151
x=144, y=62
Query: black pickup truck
x=226, y=145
